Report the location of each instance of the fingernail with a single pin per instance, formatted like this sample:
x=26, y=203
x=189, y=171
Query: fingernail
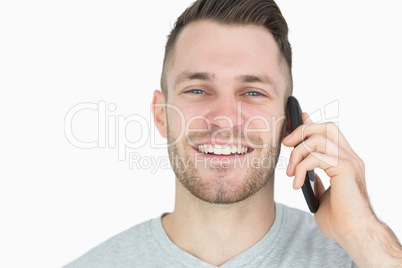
x=294, y=183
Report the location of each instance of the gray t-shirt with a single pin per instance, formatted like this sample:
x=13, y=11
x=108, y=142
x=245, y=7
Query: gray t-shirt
x=294, y=240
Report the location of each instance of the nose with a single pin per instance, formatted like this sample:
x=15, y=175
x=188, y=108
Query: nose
x=225, y=112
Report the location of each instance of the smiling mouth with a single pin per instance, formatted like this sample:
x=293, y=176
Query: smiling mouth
x=217, y=149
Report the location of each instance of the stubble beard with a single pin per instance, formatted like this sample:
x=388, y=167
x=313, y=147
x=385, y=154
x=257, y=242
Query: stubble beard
x=189, y=176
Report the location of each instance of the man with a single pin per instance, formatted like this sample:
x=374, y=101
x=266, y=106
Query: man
x=225, y=84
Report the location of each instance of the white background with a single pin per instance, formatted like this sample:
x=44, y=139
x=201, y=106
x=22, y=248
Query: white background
x=57, y=201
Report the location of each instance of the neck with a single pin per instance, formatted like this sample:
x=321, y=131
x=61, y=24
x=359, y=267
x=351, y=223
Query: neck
x=215, y=233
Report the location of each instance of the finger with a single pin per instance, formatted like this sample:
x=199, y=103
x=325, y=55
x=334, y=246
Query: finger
x=329, y=130
x=306, y=119
x=319, y=188
x=312, y=161
x=316, y=143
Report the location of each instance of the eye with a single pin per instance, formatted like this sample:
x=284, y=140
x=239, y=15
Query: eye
x=196, y=91
x=254, y=94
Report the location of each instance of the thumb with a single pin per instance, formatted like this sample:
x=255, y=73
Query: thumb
x=319, y=188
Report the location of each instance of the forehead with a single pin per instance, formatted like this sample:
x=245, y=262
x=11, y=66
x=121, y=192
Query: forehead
x=226, y=51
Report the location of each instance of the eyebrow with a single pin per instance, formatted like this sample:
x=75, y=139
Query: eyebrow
x=263, y=79
x=203, y=76
x=188, y=76
x=255, y=79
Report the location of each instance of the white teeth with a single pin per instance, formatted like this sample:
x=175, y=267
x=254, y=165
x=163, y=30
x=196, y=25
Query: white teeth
x=226, y=150
x=222, y=150
x=218, y=149
x=210, y=148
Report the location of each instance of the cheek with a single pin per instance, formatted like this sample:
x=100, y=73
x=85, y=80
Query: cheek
x=176, y=120
x=183, y=118
x=265, y=122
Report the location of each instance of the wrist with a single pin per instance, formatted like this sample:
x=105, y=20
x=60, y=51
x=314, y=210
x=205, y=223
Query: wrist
x=373, y=244
x=359, y=231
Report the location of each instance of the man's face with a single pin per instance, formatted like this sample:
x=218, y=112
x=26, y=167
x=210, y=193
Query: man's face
x=227, y=87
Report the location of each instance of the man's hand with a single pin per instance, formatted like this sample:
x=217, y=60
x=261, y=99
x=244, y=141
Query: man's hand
x=345, y=214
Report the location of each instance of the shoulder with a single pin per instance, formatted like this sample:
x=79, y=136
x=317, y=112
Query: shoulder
x=298, y=226
x=129, y=244
x=301, y=235
x=294, y=218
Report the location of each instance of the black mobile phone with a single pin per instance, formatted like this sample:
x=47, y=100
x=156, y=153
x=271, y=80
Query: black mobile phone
x=295, y=113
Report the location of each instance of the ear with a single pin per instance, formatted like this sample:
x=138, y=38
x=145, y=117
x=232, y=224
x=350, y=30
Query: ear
x=159, y=112
x=287, y=127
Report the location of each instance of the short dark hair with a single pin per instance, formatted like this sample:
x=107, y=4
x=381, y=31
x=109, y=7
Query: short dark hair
x=264, y=13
